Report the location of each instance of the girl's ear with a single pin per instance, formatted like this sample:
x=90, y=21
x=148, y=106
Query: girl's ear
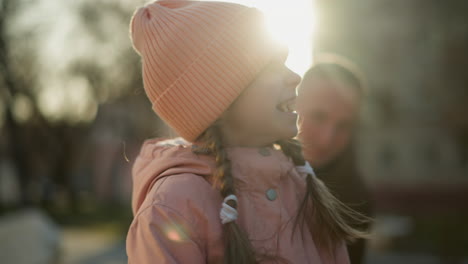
x=223, y=126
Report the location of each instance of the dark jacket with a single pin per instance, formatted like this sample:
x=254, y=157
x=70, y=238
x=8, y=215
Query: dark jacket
x=344, y=180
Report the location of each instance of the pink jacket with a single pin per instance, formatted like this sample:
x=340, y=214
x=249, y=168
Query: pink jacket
x=177, y=210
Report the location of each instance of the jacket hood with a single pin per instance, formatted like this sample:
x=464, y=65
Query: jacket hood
x=160, y=158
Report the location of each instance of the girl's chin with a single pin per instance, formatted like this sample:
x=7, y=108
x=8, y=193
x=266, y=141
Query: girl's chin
x=292, y=132
x=287, y=135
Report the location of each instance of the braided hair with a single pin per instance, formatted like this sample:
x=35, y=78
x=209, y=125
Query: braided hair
x=325, y=219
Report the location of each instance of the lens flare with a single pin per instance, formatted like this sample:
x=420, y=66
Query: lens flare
x=175, y=232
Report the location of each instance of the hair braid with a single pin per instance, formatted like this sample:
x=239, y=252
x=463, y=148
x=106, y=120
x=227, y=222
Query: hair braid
x=326, y=216
x=238, y=248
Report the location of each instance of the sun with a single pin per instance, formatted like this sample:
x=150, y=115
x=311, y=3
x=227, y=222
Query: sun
x=292, y=23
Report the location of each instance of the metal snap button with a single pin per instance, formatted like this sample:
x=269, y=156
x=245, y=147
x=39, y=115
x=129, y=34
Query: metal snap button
x=271, y=194
x=264, y=152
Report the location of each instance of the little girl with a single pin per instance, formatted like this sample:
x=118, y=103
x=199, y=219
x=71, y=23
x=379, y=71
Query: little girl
x=234, y=188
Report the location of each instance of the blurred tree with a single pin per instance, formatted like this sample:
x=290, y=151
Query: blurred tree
x=59, y=72
x=17, y=97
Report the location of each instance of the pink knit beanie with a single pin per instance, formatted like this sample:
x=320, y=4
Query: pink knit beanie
x=197, y=57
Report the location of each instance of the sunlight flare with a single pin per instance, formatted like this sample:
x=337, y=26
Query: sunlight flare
x=291, y=23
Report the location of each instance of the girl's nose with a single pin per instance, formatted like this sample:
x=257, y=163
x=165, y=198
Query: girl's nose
x=293, y=78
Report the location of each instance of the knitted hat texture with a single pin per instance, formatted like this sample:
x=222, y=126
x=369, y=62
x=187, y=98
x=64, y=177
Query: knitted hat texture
x=197, y=57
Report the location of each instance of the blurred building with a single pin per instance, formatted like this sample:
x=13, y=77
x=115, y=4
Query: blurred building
x=413, y=141
x=412, y=54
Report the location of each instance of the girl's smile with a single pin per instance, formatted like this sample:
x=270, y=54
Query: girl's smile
x=288, y=106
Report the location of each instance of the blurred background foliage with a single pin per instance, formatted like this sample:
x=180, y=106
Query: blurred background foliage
x=73, y=109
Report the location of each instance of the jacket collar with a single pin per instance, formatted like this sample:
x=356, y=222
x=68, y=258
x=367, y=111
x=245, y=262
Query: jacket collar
x=258, y=168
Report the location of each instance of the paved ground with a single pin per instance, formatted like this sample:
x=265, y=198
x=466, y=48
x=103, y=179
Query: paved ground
x=112, y=255
x=81, y=246
x=84, y=246
x=115, y=254
x=32, y=232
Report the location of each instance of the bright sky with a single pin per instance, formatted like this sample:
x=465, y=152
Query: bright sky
x=291, y=22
